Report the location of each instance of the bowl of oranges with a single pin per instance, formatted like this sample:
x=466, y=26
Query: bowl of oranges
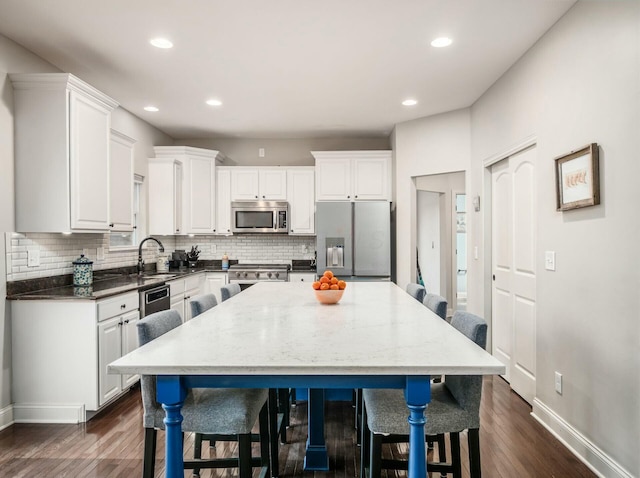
x=328, y=288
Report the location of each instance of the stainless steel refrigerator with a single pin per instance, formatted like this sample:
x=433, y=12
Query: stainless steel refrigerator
x=354, y=239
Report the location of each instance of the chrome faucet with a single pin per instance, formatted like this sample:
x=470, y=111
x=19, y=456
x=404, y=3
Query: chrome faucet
x=140, y=261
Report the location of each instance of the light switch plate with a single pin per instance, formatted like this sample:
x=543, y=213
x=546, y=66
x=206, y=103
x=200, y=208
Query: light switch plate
x=558, y=382
x=550, y=260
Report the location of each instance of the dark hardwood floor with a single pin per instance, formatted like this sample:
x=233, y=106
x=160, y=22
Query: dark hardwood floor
x=513, y=445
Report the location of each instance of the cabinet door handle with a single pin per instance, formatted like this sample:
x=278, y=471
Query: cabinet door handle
x=356, y=197
x=126, y=321
x=348, y=197
x=123, y=306
x=111, y=225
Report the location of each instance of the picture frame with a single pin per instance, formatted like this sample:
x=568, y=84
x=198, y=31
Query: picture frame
x=578, y=178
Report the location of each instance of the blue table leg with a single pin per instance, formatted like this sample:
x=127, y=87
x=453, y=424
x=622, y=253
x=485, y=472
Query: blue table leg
x=171, y=393
x=417, y=395
x=316, y=457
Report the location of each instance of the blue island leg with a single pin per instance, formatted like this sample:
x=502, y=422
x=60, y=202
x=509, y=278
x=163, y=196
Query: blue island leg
x=316, y=457
x=417, y=395
x=171, y=393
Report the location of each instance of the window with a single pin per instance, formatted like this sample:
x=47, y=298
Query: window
x=129, y=240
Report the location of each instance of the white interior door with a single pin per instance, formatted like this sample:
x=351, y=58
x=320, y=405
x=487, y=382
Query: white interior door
x=514, y=273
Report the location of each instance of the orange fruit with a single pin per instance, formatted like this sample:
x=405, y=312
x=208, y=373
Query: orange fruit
x=316, y=285
x=334, y=287
x=324, y=280
x=328, y=274
x=334, y=280
x=342, y=284
x=324, y=286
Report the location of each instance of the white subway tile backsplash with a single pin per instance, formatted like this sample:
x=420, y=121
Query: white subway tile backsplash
x=58, y=251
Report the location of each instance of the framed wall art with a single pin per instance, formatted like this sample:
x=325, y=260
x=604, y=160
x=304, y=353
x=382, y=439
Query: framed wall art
x=577, y=179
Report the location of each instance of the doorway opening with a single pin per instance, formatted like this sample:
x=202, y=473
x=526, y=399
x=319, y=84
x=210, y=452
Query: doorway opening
x=438, y=254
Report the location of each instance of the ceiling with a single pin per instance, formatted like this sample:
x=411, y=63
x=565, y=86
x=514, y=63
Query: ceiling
x=282, y=68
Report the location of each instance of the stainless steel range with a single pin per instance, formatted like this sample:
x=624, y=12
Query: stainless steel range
x=249, y=274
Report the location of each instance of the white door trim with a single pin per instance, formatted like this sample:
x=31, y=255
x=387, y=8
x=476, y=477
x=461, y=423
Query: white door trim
x=516, y=148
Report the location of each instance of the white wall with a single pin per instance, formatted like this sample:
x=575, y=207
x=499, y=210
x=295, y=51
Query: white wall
x=579, y=84
x=282, y=152
x=433, y=145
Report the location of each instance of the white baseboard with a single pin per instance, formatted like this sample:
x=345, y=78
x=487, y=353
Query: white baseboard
x=597, y=460
x=37, y=413
x=6, y=417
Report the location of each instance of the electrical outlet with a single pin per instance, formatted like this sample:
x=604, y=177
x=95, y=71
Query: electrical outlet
x=261, y=152
x=85, y=252
x=33, y=257
x=100, y=254
x=212, y=249
x=559, y=383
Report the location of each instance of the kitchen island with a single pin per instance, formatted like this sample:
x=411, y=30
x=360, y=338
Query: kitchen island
x=276, y=335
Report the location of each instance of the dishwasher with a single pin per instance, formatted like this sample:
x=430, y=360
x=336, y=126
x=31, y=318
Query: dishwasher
x=154, y=300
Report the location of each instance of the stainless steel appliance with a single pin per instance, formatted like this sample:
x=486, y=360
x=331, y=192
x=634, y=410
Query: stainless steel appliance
x=248, y=274
x=354, y=239
x=154, y=300
x=259, y=217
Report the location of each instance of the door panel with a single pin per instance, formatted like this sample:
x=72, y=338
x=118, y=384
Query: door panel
x=514, y=269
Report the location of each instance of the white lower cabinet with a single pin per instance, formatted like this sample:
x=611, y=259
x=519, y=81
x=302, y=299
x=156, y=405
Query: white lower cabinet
x=182, y=290
x=60, y=353
x=214, y=281
x=116, y=337
x=302, y=276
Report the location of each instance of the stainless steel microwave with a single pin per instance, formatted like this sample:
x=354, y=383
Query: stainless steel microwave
x=259, y=217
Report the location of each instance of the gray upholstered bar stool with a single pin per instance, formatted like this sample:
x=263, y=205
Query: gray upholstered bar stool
x=229, y=290
x=202, y=303
x=454, y=407
x=220, y=411
x=436, y=304
x=416, y=291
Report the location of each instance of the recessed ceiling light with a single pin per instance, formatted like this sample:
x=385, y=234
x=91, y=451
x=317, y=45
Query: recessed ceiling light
x=410, y=102
x=441, y=42
x=161, y=43
x=214, y=102
x=151, y=108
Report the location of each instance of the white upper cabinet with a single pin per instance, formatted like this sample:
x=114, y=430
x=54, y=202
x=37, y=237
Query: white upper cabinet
x=273, y=184
x=198, y=187
x=62, y=138
x=353, y=175
x=165, y=196
x=223, y=201
x=333, y=179
x=121, y=182
x=258, y=184
x=301, y=197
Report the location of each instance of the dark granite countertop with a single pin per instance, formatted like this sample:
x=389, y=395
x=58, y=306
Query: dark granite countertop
x=105, y=284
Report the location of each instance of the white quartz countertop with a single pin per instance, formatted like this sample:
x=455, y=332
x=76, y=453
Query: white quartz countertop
x=278, y=328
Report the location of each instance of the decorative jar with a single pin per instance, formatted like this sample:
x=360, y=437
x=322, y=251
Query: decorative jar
x=82, y=271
